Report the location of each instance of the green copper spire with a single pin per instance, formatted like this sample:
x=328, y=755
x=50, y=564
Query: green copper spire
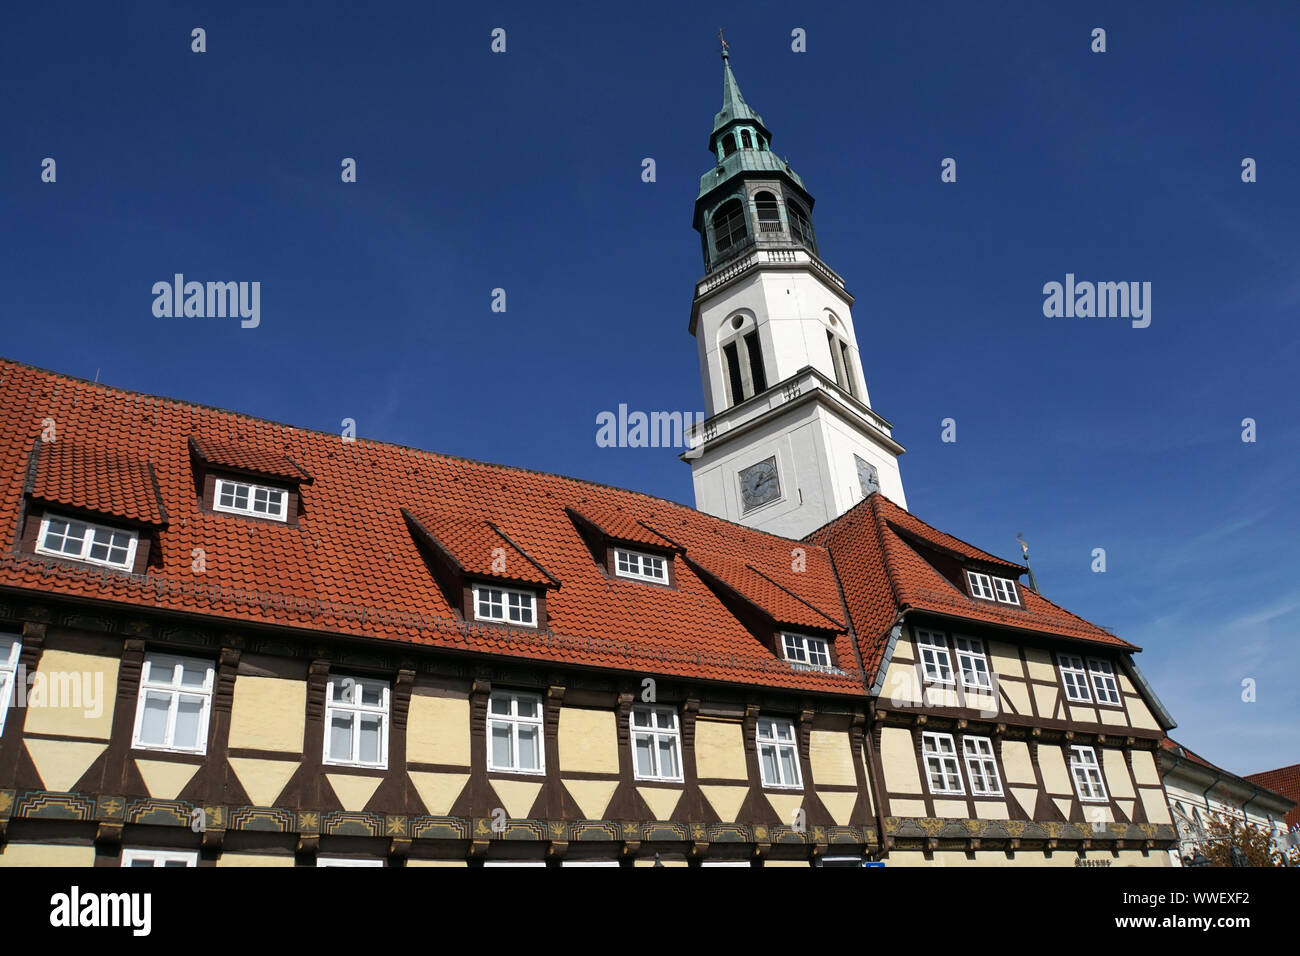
x=734, y=108
x=740, y=142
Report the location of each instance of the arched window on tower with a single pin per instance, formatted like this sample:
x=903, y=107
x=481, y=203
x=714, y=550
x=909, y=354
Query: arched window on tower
x=801, y=229
x=841, y=359
x=728, y=144
x=769, y=217
x=729, y=225
x=742, y=362
x=746, y=140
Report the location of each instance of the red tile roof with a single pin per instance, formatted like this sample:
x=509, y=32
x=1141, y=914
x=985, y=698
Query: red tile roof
x=621, y=525
x=353, y=567
x=245, y=458
x=89, y=478
x=481, y=549
x=781, y=604
x=1283, y=780
x=885, y=572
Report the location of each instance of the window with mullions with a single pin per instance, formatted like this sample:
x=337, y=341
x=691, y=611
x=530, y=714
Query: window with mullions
x=656, y=744
x=83, y=541
x=935, y=663
x=1103, y=682
x=809, y=651
x=981, y=766
x=639, y=565
x=505, y=605
x=11, y=649
x=980, y=585
x=972, y=663
x=1087, y=775
x=245, y=498
x=174, y=705
x=514, y=732
x=778, y=753
x=1075, y=678
x=942, y=771
x=356, y=722
x=1005, y=590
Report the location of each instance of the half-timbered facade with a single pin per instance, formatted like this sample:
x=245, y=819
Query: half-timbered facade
x=1003, y=729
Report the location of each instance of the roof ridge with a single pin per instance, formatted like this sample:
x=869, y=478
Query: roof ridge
x=103, y=387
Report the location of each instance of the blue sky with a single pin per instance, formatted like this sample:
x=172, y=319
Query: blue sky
x=521, y=171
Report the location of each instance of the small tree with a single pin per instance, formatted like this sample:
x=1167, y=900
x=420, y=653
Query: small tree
x=1223, y=834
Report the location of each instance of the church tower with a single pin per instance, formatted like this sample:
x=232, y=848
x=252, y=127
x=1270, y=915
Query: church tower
x=790, y=440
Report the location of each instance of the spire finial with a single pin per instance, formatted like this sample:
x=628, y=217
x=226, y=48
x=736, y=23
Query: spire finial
x=725, y=45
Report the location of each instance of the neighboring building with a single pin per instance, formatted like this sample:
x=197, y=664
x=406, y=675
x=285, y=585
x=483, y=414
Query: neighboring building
x=1198, y=790
x=791, y=440
x=228, y=641
x=1286, y=781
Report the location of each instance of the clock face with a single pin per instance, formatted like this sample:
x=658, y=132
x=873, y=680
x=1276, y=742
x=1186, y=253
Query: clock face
x=759, y=484
x=867, y=476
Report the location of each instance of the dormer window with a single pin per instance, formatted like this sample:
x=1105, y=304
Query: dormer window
x=255, y=501
x=83, y=541
x=988, y=588
x=505, y=605
x=812, y=652
x=641, y=566
x=248, y=481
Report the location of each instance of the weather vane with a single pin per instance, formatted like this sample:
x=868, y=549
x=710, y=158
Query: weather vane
x=725, y=45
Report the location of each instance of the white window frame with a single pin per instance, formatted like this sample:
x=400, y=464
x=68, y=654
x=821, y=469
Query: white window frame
x=981, y=586
x=936, y=644
x=1005, y=591
x=777, y=743
x=149, y=682
x=252, y=488
x=1072, y=666
x=347, y=861
x=514, y=721
x=1105, y=685
x=88, y=541
x=640, y=566
x=804, y=650
x=1082, y=770
x=942, y=761
x=981, y=764
x=971, y=652
x=656, y=733
x=357, y=710
x=11, y=650
x=159, y=858
x=505, y=602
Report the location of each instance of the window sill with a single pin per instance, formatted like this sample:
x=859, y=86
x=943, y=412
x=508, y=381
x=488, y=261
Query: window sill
x=378, y=768
x=170, y=750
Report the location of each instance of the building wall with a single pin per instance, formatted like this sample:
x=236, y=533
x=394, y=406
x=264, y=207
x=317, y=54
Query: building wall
x=436, y=799
x=1031, y=728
